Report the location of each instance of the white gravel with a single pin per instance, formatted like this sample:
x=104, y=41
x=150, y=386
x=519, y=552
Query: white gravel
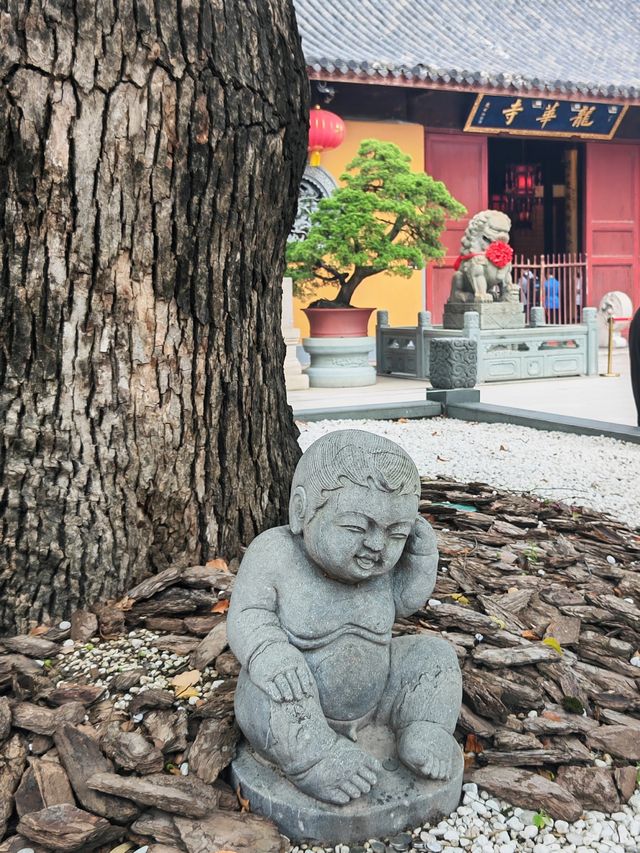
x=98, y=661
x=592, y=471
x=484, y=824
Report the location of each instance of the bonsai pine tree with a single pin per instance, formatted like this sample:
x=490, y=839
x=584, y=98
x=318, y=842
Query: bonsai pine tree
x=385, y=219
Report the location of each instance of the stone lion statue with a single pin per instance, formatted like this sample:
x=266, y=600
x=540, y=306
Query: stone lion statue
x=483, y=268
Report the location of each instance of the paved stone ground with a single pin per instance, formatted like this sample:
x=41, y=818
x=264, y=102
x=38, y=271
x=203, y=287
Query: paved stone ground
x=596, y=397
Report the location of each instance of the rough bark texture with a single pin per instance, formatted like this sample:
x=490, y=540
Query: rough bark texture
x=150, y=154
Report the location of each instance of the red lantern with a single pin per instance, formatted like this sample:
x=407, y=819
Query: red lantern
x=326, y=131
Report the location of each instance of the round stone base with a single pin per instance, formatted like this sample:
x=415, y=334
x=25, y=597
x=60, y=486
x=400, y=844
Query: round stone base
x=339, y=362
x=399, y=801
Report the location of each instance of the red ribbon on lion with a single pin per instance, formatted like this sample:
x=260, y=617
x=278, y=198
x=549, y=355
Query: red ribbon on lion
x=500, y=254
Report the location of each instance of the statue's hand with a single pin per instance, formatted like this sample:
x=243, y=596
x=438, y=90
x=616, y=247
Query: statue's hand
x=422, y=540
x=415, y=574
x=280, y=671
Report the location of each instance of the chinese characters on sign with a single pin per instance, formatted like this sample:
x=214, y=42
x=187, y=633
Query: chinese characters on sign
x=550, y=112
x=512, y=111
x=544, y=117
x=582, y=119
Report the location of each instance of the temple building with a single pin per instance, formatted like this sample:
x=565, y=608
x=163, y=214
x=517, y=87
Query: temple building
x=531, y=108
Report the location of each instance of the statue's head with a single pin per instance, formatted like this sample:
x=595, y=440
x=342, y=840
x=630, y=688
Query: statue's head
x=354, y=501
x=485, y=228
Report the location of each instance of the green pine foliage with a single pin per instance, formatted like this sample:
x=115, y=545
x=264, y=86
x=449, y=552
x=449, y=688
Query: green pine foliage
x=385, y=219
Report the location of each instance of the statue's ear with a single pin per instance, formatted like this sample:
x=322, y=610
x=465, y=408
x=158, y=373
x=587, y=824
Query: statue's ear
x=297, y=509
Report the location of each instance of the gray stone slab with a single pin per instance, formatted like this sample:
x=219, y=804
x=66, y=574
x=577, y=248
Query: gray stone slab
x=449, y=396
x=488, y=413
x=399, y=801
x=493, y=315
x=376, y=411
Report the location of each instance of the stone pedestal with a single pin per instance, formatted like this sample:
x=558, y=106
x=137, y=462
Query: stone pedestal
x=454, y=363
x=294, y=378
x=493, y=315
x=339, y=362
x=398, y=801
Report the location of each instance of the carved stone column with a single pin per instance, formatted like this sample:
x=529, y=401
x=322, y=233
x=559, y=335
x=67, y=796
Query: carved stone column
x=454, y=363
x=294, y=378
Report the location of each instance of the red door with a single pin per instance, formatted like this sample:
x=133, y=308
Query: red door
x=611, y=220
x=461, y=163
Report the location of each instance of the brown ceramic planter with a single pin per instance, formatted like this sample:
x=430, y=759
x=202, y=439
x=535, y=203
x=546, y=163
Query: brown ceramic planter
x=338, y=322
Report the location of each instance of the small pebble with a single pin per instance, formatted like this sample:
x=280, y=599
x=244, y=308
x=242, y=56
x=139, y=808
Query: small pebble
x=64, y=626
x=401, y=842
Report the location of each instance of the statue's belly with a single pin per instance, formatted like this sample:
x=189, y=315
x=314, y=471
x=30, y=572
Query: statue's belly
x=351, y=673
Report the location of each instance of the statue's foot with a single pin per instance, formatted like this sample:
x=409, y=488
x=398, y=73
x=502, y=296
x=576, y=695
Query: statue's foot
x=343, y=774
x=427, y=749
x=484, y=297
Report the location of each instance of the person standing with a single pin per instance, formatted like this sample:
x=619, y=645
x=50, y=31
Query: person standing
x=525, y=286
x=552, y=298
x=578, y=300
x=634, y=357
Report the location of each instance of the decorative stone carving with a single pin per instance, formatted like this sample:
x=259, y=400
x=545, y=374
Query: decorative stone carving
x=350, y=732
x=477, y=277
x=316, y=183
x=492, y=315
x=454, y=363
x=482, y=279
x=339, y=362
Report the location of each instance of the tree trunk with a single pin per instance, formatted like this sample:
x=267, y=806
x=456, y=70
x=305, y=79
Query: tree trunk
x=150, y=156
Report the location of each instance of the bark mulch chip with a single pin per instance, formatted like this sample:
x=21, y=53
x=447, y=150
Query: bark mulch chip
x=540, y=601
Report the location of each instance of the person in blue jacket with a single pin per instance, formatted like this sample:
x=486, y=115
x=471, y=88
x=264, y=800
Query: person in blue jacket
x=552, y=298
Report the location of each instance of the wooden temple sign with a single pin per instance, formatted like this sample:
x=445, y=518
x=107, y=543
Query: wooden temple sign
x=518, y=116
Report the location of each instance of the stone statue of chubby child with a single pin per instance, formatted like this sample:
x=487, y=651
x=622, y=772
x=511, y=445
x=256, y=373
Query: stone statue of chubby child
x=311, y=617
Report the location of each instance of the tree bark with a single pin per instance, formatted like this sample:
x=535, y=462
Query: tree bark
x=150, y=157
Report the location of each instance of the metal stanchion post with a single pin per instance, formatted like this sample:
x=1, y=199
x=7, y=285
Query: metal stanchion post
x=610, y=372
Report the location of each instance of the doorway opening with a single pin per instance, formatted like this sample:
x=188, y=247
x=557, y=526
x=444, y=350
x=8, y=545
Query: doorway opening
x=538, y=183
x=549, y=217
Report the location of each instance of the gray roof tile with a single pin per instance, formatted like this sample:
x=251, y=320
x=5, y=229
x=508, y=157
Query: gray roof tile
x=590, y=47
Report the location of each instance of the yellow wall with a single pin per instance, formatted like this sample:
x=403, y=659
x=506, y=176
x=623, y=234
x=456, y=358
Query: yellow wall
x=402, y=297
